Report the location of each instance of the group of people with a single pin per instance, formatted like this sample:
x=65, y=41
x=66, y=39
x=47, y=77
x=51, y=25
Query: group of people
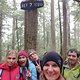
x=25, y=65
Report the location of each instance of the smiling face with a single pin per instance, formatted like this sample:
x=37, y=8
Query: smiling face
x=11, y=58
x=51, y=70
x=34, y=57
x=22, y=60
x=72, y=58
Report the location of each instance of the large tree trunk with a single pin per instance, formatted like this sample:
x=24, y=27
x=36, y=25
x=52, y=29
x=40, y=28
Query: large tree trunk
x=13, y=33
x=30, y=29
x=0, y=33
x=60, y=28
x=75, y=34
x=64, y=48
x=53, y=46
x=17, y=35
x=44, y=46
x=69, y=42
x=14, y=26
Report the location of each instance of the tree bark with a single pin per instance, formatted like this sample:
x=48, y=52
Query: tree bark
x=53, y=45
x=64, y=48
x=60, y=28
x=0, y=33
x=30, y=29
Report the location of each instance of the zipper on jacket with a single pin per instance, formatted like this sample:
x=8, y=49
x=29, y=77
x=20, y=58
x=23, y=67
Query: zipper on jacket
x=10, y=73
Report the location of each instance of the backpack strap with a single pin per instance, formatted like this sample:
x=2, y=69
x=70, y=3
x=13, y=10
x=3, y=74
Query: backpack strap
x=0, y=73
x=78, y=74
x=63, y=70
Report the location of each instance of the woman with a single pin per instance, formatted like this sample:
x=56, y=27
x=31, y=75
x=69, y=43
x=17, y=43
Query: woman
x=27, y=68
x=52, y=67
x=33, y=56
x=9, y=70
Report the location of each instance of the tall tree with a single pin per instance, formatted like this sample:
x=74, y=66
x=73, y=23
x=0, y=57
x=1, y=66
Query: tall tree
x=68, y=30
x=44, y=30
x=0, y=31
x=52, y=26
x=30, y=29
x=14, y=25
x=3, y=13
x=60, y=27
x=64, y=47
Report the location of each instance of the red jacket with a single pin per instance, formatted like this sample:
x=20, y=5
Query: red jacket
x=10, y=73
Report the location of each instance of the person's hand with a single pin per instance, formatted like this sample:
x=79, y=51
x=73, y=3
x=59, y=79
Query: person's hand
x=28, y=74
x=38, y=67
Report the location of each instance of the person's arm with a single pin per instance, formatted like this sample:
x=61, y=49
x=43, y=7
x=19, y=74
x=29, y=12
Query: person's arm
x=33, y=71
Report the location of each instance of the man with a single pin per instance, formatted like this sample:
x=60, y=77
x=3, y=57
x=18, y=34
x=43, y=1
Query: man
x=71, y=69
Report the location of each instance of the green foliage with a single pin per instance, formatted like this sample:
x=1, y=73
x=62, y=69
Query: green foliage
x=76, y=11
x=44, y=27
x=5, y=8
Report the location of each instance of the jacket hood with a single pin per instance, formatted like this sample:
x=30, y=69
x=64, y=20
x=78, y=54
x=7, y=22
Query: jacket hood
x=74, y=68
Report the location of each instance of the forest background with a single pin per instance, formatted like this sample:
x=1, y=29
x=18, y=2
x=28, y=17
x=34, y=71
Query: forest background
x=56, y=26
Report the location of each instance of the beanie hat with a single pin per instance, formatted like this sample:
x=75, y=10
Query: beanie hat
x=52, y=56
x=23, y=52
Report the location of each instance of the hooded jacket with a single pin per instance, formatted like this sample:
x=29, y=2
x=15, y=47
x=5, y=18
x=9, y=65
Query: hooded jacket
x=32, y=69
x=10, y=73
x=71, y=74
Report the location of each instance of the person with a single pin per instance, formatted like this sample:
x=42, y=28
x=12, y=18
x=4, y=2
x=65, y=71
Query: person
x=33, y=56
x=71, y=70
x=9, y=69
x=52, y=66
x=27, y=68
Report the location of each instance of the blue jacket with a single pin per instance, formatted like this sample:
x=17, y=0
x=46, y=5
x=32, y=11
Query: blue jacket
x=32, y=69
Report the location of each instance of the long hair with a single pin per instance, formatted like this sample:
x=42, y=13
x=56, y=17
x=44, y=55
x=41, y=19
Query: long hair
x=26, y=65
x=42, y=77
